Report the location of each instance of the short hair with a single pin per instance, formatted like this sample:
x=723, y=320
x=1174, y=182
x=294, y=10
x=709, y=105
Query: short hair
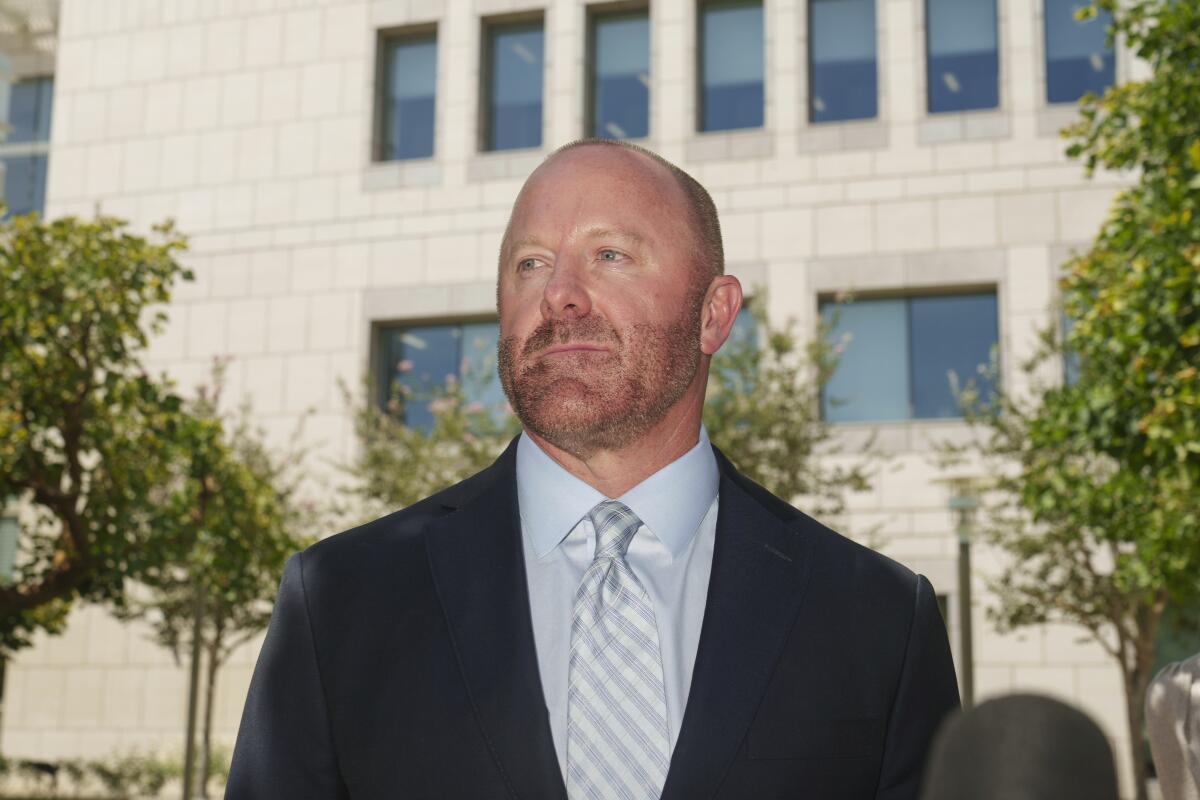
x=710, y=252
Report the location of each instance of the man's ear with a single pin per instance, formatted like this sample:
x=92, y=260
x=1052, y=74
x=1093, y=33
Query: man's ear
x=722, y=302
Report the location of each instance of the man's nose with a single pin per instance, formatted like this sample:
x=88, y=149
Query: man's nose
x=566, y=293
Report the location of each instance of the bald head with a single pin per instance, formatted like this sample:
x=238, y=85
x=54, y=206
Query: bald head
x=696, y=208
x=611, y=300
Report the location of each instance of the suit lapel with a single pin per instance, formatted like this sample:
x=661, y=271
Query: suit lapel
x=758, y=578
x=479, y=569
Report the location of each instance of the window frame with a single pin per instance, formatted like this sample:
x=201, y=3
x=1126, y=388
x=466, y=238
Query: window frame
x=1045, y=65
x=31, y=147
x=993, y=290
x=810, y=65
x=595, y=13
x=377, y=355
x=487, y=25
x=929, y=111
x=698, y=128
x=384, y=39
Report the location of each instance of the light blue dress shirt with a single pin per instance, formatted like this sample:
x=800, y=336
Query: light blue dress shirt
x=671, y=554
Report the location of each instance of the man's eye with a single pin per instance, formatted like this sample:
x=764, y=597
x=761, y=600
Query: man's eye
x=526, y=264
x=609, y=255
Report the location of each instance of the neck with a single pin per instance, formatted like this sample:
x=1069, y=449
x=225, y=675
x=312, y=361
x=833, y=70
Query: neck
x=615, y=472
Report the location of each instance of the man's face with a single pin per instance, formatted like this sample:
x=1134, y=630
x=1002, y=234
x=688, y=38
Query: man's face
x=598, y=298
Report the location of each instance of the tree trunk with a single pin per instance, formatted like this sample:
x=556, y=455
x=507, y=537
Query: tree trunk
x=1135, y=693
x=1137, y=677
x=189, y=753
x=214, y=663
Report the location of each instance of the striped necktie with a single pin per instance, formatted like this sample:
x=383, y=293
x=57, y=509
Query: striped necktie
x=617, y=741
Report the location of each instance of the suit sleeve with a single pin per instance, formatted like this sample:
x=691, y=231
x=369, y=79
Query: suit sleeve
x=284, y=744
x=926, y=694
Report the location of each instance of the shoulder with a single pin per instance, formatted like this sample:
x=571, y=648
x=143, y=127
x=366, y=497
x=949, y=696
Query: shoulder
x=402, y=531
x=834, y=560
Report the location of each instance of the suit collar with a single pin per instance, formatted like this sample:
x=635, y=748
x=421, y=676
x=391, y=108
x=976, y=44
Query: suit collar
x=758, y=577
x=479, y=570
x=759, y=573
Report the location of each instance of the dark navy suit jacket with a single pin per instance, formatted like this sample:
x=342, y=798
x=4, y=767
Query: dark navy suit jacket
x=400, y=663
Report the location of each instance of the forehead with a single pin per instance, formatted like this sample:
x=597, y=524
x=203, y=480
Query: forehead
x=601, y=187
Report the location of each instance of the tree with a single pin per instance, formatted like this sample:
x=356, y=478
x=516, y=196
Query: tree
x=86, y=434
x=398, y=464
x=1096, y=480
x=231, y=507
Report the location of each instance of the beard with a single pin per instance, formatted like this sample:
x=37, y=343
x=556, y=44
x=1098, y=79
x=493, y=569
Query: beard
x=596, y=401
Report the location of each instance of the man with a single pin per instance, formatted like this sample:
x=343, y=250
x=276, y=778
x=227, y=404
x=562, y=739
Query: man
x=1173, y=726
x=611, y=609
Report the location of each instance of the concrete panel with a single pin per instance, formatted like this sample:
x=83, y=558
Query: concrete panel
x=1082, y=212
x=966, y=222
x=904, y=227
x=330, y=328
x=263, y=383
x=247, y=326
x=306, y=382
x=1057, y=682
x=786, y=234
x=83, y=701
x=185, y=51
x=312, y=269
x=287, y=320
x=164, y=699
x=844, y=230
x=1027, y=218
x=264, y=40
x=320, y=89
x=206, y=329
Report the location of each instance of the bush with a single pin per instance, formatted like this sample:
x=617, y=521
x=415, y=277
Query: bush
x=118, y=777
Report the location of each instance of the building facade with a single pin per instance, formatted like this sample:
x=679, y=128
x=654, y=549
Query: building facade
x=344, y=170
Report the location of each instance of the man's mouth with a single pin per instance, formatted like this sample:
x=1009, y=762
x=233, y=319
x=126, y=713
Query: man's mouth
x=573, y=348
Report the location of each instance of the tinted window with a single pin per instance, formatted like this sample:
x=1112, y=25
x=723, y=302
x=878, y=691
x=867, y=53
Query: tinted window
x=621, y=76
x=731, y=70
x=897, y=355
x=1078, y=59
x=841, y=48
x=24, y=183
x=477, y=366
x=732, y=364
x=410, y=81
x=871, y=380
x=949, y=335
x=419, y=362
x=29, y=104
x=962, y=62
x=10, y=530
x=1070, y=357
x=514, y=113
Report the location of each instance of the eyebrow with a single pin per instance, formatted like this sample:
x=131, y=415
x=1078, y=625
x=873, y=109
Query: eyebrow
x=614, y=233
x=524, y=241
x=590, y=233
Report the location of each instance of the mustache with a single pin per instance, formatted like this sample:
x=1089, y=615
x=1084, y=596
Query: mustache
x=558, y=331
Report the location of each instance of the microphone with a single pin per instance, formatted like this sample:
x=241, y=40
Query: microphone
x=1020, y=747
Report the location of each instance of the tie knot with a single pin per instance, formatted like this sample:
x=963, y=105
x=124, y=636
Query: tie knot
x=615, y=525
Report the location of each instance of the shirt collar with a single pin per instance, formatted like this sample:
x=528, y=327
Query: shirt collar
x=671, y=503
